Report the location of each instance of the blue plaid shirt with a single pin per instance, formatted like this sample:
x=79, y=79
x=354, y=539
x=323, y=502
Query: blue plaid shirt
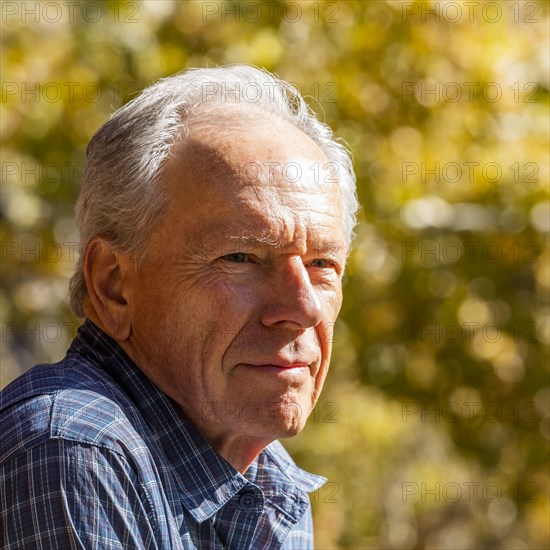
x=94, y=456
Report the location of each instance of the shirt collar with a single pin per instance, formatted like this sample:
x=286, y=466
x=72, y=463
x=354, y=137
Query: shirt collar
x=206, y=480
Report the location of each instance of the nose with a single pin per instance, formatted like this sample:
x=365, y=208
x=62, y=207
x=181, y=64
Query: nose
x=291, y=301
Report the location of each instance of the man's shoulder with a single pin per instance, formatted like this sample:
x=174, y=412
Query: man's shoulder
x=73, y=400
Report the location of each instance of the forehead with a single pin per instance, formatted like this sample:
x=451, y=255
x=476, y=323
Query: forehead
x=234, y=138
x=248, y=175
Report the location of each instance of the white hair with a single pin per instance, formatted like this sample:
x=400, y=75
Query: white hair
x=121, y=197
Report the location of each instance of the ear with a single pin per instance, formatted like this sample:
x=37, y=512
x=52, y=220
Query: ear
x=104, y=272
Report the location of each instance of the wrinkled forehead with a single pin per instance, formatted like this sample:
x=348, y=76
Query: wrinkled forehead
x=248, y=167
x=236, y=134
x=245, y=146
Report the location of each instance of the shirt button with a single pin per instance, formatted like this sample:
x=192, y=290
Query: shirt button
x=247, y=501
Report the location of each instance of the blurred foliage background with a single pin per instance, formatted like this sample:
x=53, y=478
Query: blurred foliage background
x=434, y=425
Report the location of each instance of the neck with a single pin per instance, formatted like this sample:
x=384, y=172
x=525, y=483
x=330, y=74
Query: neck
x=238, y=449
x=239, y=452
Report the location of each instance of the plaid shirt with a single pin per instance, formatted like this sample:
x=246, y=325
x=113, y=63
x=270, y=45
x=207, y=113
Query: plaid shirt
x=94, y=456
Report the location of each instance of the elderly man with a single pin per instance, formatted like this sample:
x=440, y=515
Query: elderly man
x=215, y=217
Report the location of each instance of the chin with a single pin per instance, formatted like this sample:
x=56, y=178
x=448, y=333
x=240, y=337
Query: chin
x=288, y=420
x=278, y=417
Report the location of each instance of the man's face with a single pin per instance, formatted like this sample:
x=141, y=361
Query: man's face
x=234, y=305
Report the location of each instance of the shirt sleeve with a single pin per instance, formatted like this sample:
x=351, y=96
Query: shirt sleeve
x=70, y=495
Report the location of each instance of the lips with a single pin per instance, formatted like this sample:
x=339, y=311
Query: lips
x=294, y=369
x=286, y=371
x=279, y=365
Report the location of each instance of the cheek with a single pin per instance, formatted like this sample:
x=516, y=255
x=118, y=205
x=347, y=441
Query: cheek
x=332, y=303
x=208, y=316
x=232, y=301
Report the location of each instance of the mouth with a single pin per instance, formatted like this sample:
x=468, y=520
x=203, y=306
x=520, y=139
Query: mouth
x=282, y=369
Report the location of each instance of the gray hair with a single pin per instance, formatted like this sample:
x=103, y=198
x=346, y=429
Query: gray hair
x=121, y=198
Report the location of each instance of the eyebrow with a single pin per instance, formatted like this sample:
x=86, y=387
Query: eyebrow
x=321, y=246
x=264, y=238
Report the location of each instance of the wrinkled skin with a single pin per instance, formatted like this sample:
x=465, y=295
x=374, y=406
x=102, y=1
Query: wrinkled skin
x=232, y=310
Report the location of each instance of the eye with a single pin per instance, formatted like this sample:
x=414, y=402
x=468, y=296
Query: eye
x=237, y=257
x=322, y=263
